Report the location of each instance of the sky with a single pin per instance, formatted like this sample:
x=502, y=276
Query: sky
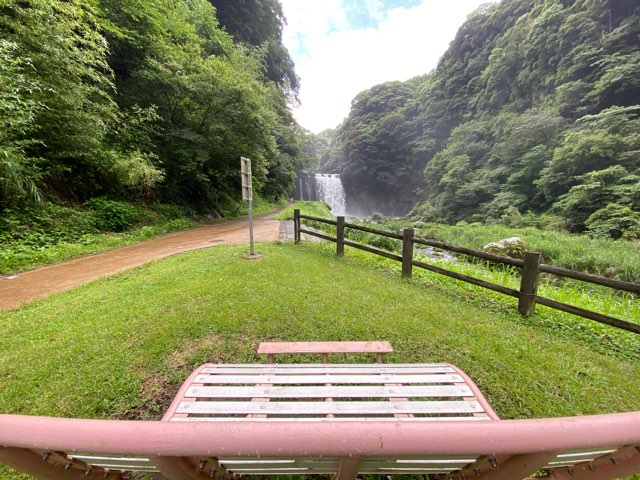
x=342, y=47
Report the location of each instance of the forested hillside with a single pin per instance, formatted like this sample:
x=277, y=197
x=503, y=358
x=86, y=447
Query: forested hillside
x=535, y=107
x=143, y=101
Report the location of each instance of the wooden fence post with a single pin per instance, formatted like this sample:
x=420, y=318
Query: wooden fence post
x=407, y=252
x=296, y=225
x=340, y=236
x=529, y=283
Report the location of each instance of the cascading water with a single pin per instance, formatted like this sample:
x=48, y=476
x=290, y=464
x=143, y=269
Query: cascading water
x=323, y=187
x=329, y=189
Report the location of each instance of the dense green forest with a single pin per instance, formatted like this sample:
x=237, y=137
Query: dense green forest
x=144, y=101
x=532, y=116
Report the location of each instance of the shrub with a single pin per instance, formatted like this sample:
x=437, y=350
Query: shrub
x=112, y=215
x=613, y=221
x=44, y=224
x=170, y=210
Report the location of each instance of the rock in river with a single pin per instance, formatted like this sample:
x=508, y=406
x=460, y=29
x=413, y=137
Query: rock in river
x=509, y=247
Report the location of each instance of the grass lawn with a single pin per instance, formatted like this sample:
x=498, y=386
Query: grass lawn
x=119, y=347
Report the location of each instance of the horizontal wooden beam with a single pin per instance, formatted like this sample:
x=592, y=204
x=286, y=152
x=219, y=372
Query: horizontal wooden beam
x=598, y=317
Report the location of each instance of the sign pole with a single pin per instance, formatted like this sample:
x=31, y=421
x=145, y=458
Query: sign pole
x=251, y=252
x=247, y=195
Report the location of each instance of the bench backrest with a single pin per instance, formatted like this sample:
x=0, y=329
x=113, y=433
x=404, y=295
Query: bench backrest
x=324, y=348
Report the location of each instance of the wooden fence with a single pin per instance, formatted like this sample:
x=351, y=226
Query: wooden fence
x=530, y=266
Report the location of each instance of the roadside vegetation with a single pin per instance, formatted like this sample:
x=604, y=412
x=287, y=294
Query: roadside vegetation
x=49, y=233
x=121, y=120
x=144, y=100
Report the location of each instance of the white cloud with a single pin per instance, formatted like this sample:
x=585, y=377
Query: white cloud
x=336, y=63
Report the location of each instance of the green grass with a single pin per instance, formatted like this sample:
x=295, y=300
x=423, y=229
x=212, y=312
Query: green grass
x=114, y=341
x=119, y=347
x=597, y=336
x=618, y=259
x=314, y=209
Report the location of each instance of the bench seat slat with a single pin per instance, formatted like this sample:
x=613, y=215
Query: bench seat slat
x=99, y=460
x=324, y=365
x=309, y=463
x=324, y=392
x=588, y=453
x=328, y=471
x=125, y=468
x=287, y=471
x=463, y=417
x=400, y=471
x=325, y=379
x=372, y=464
x=464, y=459
x=280, y=461
x=318, y=370
x=325, y=408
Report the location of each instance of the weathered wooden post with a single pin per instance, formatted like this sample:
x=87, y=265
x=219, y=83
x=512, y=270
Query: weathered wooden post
x=296, y=225
x=529, y=283
x=340, y=236
x=407, y=252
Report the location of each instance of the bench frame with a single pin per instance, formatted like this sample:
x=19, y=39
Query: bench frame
x=503, y=449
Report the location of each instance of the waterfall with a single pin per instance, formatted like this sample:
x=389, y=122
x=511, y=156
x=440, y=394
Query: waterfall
x=329, y=189
x=323, y=187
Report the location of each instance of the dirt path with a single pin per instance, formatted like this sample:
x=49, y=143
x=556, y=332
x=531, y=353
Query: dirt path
x=41, y=282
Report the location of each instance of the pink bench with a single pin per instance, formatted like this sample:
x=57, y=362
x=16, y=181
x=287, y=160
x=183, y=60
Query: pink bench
x=270, y=419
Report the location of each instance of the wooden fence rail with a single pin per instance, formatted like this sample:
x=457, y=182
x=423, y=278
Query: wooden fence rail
x=530, y=266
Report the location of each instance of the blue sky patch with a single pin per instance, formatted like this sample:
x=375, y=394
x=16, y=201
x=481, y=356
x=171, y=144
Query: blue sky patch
x=369, y=13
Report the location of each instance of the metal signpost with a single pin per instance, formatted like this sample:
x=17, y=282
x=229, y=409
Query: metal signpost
x=247, y=196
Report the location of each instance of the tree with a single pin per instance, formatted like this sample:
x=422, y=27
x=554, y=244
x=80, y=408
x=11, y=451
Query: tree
x=259, y=23
x=374, y=145
x=211, y=100
x=67, y=88
x=611, y=137
x=18, y=108
x=529, y=98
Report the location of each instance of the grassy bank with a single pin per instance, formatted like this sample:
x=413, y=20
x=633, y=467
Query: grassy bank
x=52, y=233
x=618, y=259
x=314, y=209
x=612, y=258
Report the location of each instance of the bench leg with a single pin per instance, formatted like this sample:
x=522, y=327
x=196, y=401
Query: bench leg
x=519, y=466
x=348, y=469
x=26, y=461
